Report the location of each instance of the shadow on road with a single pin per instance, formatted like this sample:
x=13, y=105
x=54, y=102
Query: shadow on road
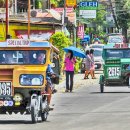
x=107, y=92
x=17, y=122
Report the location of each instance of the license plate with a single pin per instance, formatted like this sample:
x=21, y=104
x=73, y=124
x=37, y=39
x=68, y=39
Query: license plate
x=5, y=88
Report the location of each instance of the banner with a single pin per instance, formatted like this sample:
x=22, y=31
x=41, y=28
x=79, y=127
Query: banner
x=81, y=31
x=88, y=13
x=87, y=9
x=71, y=3
x=88, y=5
x=34, y=34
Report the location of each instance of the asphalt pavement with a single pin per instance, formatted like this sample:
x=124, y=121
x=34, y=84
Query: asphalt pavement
x=84, y=109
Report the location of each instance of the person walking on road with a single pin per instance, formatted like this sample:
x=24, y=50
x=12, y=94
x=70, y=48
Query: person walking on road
x=88, y=62
x=69, y=68
x=92, y=68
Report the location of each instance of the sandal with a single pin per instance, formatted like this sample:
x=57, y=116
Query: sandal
x=66, y=90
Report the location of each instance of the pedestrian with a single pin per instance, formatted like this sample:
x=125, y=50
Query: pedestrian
x=88, y=63
x=96, y=40
x=69, y=68
x=92, y=68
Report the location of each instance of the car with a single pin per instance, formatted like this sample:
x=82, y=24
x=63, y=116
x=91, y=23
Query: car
x=98, y=61
x=116, y=38
x=97, y=46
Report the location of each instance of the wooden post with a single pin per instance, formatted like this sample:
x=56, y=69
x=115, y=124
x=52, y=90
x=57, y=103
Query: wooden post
x=29, y=7
x=7, y=20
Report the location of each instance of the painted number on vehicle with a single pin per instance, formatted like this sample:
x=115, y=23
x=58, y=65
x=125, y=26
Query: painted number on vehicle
x=113, y=71
x=5, y=88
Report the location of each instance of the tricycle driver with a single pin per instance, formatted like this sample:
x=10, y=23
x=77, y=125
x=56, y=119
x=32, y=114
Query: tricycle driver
x=49, y=74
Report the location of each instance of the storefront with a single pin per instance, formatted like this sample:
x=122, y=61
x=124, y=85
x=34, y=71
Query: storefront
x=19, y=30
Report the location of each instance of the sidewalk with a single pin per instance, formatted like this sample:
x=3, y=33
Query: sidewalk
x=79, y=81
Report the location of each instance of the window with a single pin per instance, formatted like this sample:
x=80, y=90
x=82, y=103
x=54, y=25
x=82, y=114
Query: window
x=23, y=57
x=122, y=53
x=97, y=53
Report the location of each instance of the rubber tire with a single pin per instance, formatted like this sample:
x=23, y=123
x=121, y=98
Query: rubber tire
x=34, y=115
x=44, y=116
x=101, y=88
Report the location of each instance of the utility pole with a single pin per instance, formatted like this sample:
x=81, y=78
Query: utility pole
x=49, y=4
x=114, y=16
x=29, y=7
x=15, y=6
x=7, y=19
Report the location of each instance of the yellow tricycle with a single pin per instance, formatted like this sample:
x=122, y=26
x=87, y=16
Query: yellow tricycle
x=23, y=77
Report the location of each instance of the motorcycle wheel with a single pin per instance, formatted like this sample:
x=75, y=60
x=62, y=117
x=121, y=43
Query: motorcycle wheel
x=44, y=116
x=34, y=110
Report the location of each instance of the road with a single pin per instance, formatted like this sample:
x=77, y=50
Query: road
x=84, y=109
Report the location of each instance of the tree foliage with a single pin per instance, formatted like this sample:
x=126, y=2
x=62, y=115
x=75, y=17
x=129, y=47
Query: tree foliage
x=123, y=15
x=3, y=2
x=60, y=41
x=57, y=3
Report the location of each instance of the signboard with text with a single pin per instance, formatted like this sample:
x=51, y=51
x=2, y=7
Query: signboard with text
x=88, y=13
x=18, y=43
x=81, y=31
x=88, y=9
x=71, y=3
x=88, y=5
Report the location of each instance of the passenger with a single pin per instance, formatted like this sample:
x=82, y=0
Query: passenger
x=9, y=57
x=26, y=58
x=40, y=58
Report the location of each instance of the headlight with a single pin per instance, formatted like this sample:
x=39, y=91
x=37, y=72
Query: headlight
x=31, y=80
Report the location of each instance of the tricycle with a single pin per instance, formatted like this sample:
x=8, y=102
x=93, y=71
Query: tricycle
x=23, y=72
x=116, y=66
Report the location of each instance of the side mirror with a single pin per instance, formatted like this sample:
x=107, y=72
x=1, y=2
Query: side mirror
x=53, y=65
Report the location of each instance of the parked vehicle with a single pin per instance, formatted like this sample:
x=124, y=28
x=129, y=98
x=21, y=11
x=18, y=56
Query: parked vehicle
x=23, y=79
x=116, y=38
x=98, y=59
x=116, y=67
x=97, y=46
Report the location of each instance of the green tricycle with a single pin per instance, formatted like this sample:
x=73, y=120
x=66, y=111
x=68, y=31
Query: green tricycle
x=116, y=66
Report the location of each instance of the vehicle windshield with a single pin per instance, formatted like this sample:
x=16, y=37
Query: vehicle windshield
x=122, y=53
x=115, y=39
x=23, y=57
x=97, y=53
x=96, y=46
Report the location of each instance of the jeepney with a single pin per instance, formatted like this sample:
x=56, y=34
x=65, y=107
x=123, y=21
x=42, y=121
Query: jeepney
x=23, y=78
x=116, y=66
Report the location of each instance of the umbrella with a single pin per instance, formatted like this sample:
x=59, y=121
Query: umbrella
x=76, y=51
